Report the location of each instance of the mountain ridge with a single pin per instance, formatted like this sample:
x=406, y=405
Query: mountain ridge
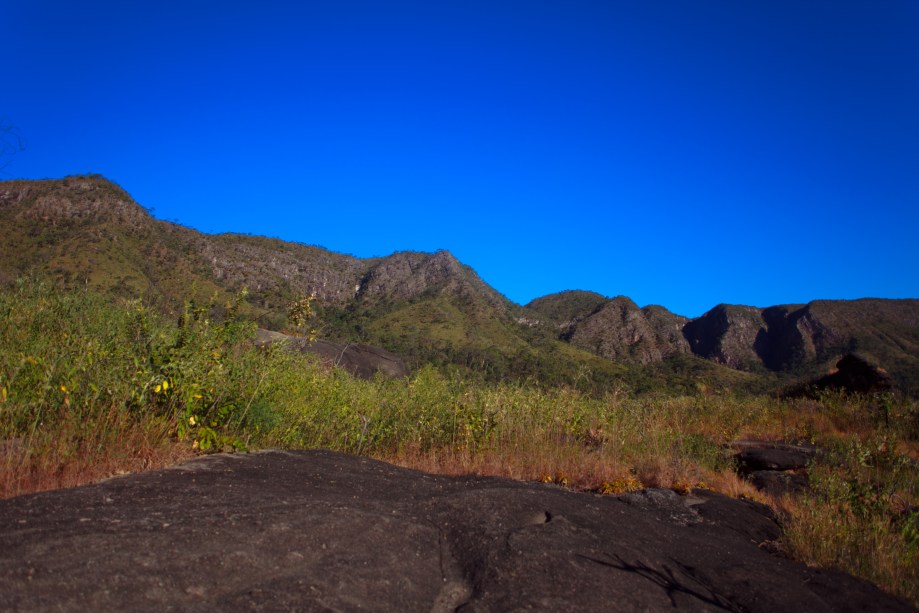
x=87, y=230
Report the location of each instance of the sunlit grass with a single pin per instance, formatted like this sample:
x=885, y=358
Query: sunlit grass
x=89, y=389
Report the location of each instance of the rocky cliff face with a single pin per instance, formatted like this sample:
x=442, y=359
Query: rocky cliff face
x=727, y=335
x=74, y=200
x=262, y=265
x=77, y=211
x=791, y=337
x=788, y=338
x=408, y=275
x=620, y=331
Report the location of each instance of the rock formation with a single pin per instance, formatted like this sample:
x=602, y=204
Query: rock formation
x=88, y=231
x=620, y=331
x=362, y=361
x=315, y=531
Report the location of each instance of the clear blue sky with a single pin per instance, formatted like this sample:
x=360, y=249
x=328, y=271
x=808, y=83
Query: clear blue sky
x=680, y=153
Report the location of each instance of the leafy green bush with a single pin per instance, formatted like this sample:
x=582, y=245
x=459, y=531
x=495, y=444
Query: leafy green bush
x=78, y=375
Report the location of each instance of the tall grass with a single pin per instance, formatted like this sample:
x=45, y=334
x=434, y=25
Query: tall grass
x=860, y=512
x=88, y=389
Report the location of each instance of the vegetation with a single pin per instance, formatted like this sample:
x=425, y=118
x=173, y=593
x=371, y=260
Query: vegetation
x=85, y=231
x=89, y=388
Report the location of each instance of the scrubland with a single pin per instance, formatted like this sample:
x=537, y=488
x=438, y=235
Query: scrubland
x=90, y=388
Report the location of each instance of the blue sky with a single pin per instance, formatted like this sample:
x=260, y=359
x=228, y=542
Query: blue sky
x=680, y=153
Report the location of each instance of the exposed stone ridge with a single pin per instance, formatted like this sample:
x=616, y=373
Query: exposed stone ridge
x=87, y=229
x=621, y=331
x=73, y=200
x=787, y=337
x=261, y=264
x=784, y=338
x=311, y=531
x=727, y=334
x=409, y=275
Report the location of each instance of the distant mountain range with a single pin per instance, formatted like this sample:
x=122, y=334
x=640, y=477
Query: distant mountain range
x=430, y=308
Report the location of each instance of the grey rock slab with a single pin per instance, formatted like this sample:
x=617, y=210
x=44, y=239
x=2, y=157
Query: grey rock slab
x=777, y=457
x=778, y=483
x=322, y=531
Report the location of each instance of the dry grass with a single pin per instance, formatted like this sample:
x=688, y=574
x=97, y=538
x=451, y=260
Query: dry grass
x=574, y=468
x=76, y=455
x=83, y=396
x=874, y=547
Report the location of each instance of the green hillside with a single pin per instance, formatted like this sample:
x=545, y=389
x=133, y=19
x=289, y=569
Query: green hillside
x=85, y=231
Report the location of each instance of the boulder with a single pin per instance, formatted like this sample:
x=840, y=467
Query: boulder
x=324, y=531
x=363, y=361
x=853, y=374
x=776, y=456
x=777, y=482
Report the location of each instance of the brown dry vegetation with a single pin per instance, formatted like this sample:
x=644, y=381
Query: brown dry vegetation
x=88, y=390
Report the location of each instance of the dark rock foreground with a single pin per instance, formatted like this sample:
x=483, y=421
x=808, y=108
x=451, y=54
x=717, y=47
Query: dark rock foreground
x=321, y=531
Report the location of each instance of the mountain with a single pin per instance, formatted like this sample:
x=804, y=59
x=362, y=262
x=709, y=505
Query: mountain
x=793, y=340
x=85, y=231
x=430, y=308
x=619, y=330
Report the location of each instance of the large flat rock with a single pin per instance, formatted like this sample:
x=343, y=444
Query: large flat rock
x=321, y=531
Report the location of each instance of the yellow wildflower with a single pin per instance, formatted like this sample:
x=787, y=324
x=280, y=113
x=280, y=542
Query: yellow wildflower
x=191, y=420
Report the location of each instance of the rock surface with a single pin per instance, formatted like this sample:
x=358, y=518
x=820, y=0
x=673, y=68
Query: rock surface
x=361, y=361
x=320, y=531
x=620, y=331
x=774, y=467
x=779, y=482
x=853, y=374
x=727, y=335
x=774, y=456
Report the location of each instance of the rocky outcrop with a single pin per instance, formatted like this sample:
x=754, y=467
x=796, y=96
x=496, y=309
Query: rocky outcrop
x=620, y=331
x=323, y=531
x=362, y=361
x=727, y=335
x=853, y=374
x=785, y=338
x=88, y=231
x=777, y=468
x=267, y=266
x=794, y=337
x=668, y=329
x=410, y=275
x=78, y=200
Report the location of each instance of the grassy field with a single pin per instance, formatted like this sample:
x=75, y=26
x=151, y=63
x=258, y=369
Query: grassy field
x=89, y=389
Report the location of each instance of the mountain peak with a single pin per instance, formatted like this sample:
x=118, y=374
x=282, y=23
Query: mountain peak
x=86, y=230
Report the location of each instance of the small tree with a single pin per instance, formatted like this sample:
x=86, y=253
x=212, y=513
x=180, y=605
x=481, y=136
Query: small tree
x=300, y=315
